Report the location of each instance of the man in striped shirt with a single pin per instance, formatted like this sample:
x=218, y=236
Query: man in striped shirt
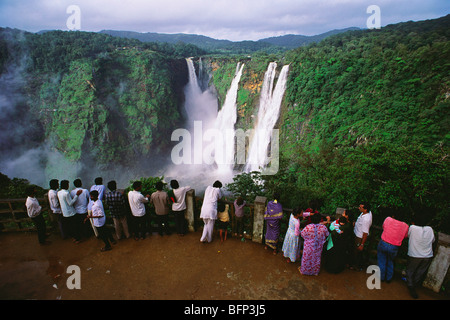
x=116, y=204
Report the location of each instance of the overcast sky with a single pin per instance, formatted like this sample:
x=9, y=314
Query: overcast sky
x=221, y=19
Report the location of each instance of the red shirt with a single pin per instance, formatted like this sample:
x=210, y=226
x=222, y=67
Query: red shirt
x=394, y=231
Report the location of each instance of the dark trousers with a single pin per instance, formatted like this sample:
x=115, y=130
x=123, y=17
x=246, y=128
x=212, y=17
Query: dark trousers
x=72, y=227
x=180, y=222
x=140, y=227
x=163, y=223
x=360, y=258
x=39, y=222
x=85, y=229
x=239, y=226
x=105, y=234
x=416, y=270
x=59, y=221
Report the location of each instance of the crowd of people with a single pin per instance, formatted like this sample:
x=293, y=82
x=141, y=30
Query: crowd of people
x=342, y=243
x=310, y=237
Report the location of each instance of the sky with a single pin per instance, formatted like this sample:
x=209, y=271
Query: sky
x=234, y=20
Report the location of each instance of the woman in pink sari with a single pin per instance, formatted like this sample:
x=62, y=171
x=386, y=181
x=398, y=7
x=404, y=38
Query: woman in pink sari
x=314, y=235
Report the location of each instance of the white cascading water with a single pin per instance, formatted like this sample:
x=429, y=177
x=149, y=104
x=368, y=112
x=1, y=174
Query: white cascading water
x=199, y=106
x=268, y=113
x=207, y=126
x=226, y=119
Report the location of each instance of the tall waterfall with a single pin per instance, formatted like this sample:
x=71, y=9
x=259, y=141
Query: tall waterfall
x=269, y=110
x=226, y=119
x=199, y=105
x=205, y=151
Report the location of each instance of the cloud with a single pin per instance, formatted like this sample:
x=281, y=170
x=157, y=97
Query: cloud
x=229, y=19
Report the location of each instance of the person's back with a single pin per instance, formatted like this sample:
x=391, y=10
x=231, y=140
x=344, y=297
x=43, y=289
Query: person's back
x=66, y=202
x=160, y=200
x=99, y=187
x=180, y=198
x=394, y=231
x=137, y=200
x=82, y=202
x=222, y=213
x=420, y=241
x=209, y=207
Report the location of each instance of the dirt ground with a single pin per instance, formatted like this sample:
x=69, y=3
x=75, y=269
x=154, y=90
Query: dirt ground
x=173, y=268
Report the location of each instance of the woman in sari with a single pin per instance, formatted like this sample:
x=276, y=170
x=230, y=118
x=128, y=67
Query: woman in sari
x=273, y=216
x=315, y=235
x=291, y=248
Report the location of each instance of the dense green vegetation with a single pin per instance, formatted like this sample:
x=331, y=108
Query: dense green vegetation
x=365, y=114
x=365, y=118
x=95, y=93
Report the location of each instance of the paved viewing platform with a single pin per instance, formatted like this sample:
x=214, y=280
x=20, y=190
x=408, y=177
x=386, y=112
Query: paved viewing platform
x=173, y=268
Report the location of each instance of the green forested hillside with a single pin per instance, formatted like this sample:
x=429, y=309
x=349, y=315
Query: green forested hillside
x=99, y=95
x=365, y=114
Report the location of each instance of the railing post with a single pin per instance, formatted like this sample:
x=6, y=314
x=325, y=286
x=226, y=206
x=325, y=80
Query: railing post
x=439, y=266
x=258, y=219
x=190, y=205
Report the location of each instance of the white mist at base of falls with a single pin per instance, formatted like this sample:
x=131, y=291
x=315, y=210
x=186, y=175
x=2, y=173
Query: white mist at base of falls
x=207, y=151
x=207, y=145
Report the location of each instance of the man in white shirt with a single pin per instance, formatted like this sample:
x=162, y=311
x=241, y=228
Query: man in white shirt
x=81, y=206
x=209, y=210
x=55, y=206
x=137, y=205
x=34, y=212
x=420, y=253
x=179, y=205
x=68, y=211
x=99, y=218
x=361, y=230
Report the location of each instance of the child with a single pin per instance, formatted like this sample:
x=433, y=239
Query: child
x=224, y=219
x=291, y=249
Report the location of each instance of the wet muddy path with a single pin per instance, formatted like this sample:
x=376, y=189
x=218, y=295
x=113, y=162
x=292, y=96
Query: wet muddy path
x=172, y=268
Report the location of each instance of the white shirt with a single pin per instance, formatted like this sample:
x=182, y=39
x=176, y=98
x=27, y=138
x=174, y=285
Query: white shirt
x=363, y=224
x=81, y=205
x=209, y=207
x=101, y=190
x=180, y=196
x=66, y=202
x=98, y=211
x=420, y=242
x=54, y=202
x=137, y=200
x=33, y=207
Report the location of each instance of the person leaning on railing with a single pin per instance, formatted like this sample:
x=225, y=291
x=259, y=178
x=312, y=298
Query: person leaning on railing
x=34, y=211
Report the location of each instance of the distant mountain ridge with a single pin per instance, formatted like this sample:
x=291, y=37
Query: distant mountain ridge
x=292, y=41
x=207, y=43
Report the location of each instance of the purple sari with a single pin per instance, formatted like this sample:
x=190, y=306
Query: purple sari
x=273, y=216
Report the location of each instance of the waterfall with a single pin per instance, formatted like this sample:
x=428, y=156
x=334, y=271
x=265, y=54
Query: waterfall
x=199, y=105
x=226, y=119
x=268, y=113
x=205, y=149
